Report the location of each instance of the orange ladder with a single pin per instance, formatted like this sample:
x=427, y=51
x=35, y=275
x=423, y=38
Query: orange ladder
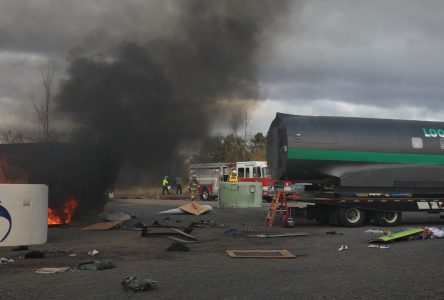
x=279, y=200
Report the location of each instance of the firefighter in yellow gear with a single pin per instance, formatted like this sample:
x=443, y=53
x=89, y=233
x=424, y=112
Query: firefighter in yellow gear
x=193, y=187
x=233, y=177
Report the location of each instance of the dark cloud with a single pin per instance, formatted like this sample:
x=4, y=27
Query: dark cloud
x=147, y=96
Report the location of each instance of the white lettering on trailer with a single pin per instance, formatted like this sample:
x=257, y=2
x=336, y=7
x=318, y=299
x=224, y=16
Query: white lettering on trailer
x=423, y=205
x=434, y=205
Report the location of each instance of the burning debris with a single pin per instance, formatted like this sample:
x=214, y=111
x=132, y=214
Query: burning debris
x=65, y=215
x=78, y=176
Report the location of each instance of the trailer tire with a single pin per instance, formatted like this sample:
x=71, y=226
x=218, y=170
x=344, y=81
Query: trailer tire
x=205, y=195
x=388, y=219
x=351, y=216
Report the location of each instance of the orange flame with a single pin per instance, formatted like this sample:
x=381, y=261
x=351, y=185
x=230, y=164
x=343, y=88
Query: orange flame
x=65, y=215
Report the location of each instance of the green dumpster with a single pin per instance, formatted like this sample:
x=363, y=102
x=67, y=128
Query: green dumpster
x=240, y=194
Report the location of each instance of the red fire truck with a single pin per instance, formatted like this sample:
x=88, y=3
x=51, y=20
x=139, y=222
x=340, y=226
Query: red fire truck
x=210, y=175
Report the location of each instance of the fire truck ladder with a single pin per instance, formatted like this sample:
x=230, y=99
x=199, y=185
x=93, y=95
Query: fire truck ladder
x=279, y=201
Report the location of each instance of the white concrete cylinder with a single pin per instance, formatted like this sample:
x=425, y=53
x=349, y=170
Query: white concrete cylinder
x=23, y=214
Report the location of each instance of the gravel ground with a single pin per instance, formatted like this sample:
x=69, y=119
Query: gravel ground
x=407, y=270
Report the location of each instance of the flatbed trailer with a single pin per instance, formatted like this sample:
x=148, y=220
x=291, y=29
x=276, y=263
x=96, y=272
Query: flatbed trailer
x=384, y=210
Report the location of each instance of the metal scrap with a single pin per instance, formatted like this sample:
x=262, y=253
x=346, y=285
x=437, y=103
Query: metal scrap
x=135, y=284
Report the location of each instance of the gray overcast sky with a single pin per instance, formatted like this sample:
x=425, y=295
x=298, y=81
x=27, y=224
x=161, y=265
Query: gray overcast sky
x=351, y=58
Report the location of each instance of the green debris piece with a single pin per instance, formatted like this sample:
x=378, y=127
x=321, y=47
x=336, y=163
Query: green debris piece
x=398, y=235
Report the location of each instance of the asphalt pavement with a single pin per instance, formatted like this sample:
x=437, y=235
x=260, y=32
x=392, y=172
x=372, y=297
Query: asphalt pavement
x=406, y=270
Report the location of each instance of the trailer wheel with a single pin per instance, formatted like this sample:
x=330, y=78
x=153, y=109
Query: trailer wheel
x=205, y=194
x=351, y=217
x=386, y=218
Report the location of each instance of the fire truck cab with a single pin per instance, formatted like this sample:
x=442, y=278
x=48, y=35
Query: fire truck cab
x=252, y=171
x=210, y=175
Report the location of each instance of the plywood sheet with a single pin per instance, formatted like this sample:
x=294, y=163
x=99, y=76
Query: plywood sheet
x=194, y=208
x=102, y=226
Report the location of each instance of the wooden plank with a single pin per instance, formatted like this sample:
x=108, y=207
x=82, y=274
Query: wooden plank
x=185, y=234
x=194, y=208
x=103, y=225
x=278, y=253
x=278, y=235
x=182, y=240
x=161, y=231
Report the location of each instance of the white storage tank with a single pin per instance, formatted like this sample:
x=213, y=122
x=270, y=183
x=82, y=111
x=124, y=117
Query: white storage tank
x=23, y=214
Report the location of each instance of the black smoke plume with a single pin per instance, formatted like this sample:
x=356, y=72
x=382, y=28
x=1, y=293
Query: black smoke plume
x=148, y=96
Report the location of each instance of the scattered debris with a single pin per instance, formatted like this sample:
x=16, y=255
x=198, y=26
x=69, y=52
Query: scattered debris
x=188, y=230
x=343, y=247
x=20, y=248
x=206, y=224
x=374, y=231
x=93, y=252
x=248, y=228
x=52, y=270
x=4, y=261
x=96, y=265
x=334, y=232
x=379, y=246
x=35, y=254
x=233, y=232
x=187, y=235
x=263, y=235
x=103, y=226
x=160, y=230
x=403, y=234
x=260, y=254
x=434, y=232
x=116, y=216
x=193, y=208
x=174, y=211
x=178, y=247
x=137, y=284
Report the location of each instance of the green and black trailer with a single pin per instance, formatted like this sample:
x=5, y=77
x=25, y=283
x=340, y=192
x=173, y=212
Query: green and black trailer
x=359, y=169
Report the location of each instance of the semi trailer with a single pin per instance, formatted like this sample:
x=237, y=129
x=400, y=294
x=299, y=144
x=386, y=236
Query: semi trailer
x=354, y=170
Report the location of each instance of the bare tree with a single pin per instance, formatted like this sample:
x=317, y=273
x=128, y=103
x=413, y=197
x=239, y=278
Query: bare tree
x=42, y=111
x=239, y=120
x=235, y=119
x=9, y=137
